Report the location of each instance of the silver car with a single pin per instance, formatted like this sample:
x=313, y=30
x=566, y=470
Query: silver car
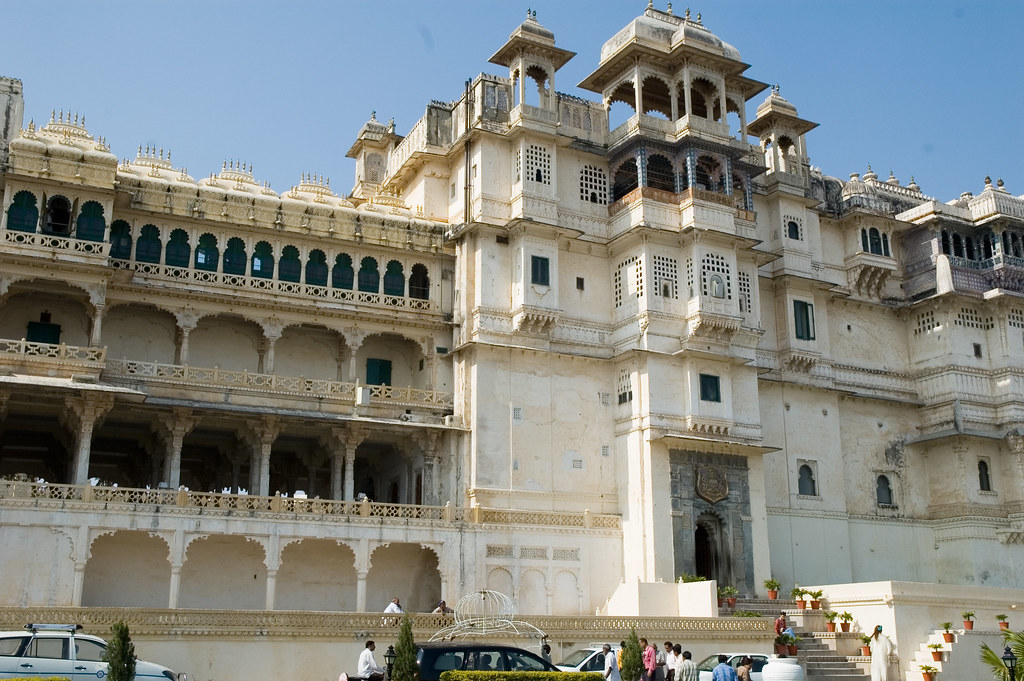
x=711, y=661
x=45, y=650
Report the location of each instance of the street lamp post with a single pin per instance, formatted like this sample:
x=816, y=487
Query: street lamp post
x=1010, y=660
x=389, y=660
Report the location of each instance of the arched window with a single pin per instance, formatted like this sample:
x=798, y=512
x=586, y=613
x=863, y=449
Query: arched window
x=342, y=275
x=885, y=244
x=149, y=246
x=262, y=261
x=394, y=280
x=207, y=253
x=883, y=491
x=290, y=268
x=806, y=486
x=369, y=277
x=944, y=242
x=178, y=250
x=419, y=282
x=987, y=245
x=958, y=245
x=120, y=240
x=660, y=174
x=984, y=482
x=969, y=248
x=234, y=256
x=91, y=225
x=58, y=216
x=875, y=241
x=316, y=268
x=625, y=180
x=864, y=241
x=717, y=286
x=23, y=215
x=793, y=230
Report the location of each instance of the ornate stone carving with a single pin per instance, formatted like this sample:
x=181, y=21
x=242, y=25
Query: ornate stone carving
x=712, y=483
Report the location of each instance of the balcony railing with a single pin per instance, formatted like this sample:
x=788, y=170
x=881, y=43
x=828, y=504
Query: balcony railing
x=179, y=374
x=55, y=243
x=72, y=353
x=20, y=493
x=297, y=289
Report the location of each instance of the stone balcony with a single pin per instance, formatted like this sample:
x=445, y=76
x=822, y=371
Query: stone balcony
x=867, y=273
x=47, y=359
x=691, y=208
x=51, y=246
x=252, y=388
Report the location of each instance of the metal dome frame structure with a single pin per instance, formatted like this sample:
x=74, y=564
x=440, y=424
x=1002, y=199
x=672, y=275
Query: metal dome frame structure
x=484, y=613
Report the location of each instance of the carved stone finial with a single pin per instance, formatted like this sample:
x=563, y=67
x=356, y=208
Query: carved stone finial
x=670, y=8
x=999, y=183
x=373, y=115
x=988, y=182
x=687, y=15
x=698, y=17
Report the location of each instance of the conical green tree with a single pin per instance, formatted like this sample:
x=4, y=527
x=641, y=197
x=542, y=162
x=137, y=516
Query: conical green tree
x=632, y=658
x=120, y=654
x=405, y=653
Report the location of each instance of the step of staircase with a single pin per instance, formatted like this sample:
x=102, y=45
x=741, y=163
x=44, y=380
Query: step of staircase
x=821, y=661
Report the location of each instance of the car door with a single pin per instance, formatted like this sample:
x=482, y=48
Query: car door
x=46, y=656
x=89, y=664
x=594, y=664
x=10, y=656
x=759, y=662
x=522, y=661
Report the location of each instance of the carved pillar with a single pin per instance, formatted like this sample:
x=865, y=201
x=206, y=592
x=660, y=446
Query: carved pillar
x=342, y=443
x=172, y=429
x=96, y=328
x=354, y=340
x=271, y=589
x=428, y=442
x=723, y=108
x=691, y=167
x=637, y=88
x=673, y=93
x=434, y=361
x=187, y=320
x=361, y=590
x=687, y=104
x=271, y=333
x=76, y=589
x=172, y=597
x=83, y=414
x=260, y=436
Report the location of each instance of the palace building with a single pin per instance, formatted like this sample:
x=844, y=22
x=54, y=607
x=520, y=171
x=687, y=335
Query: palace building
x=530, y=351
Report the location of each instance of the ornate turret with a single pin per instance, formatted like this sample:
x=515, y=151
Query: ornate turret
x=781, y=132
x=531, y=53
x=371, y=149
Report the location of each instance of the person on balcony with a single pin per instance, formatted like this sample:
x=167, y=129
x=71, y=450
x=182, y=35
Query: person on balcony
x=395, y=606
x=442, y=609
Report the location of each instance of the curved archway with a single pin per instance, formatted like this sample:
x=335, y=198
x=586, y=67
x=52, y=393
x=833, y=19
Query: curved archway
x=58, y=315
x=141, y=332
x=90, y=225
x=660, y=174
x=533, y=593
x=710, y=553
x=316, y=574
x=225, y=341
x=224, y=572
x=309, y=350
x=565, y=599
x=394, y=567
x=23, y=215
x=127, y=568
x=625, y=179
x=499, y=579
x=58, y=216
x=656, y=97
x=621, y=104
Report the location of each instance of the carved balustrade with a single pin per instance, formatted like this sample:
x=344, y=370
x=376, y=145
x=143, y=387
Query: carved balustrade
x=51, y=243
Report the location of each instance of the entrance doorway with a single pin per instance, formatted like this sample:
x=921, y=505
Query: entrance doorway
x=710, y=559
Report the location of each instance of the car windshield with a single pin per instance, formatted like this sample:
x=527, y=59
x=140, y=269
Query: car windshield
x=576, y=657
x=708, y=663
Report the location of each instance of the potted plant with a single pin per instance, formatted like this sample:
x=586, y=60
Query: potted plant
x=816, y=598
x=846, y=618
x=781, y=648
x=947, y=635
x=1004, y=625
x=729, y=593
x=791, y=642
x=773, y=588
x=830, y=624
x=936, y=651
x=797, y=594
x=968, y=619
x=927, y=671
x=865, y=645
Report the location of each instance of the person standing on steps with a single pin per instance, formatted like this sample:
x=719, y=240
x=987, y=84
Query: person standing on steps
x=881, y=649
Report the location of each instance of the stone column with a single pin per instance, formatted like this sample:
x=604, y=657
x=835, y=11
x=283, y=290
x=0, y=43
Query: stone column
x=673, y=93
x=187, y=320
x=172, y=597
x=637, y=88
x=172, y=429
x=724, y=108
x=361, y=590
x=76, y=589
x=271, y=333
x=82, y=415
x=428, y=442
x=260, y=436
x=96, y=329
x=353, y=339
x=687, y=104
x=271, y=589
x=691, y=168
x=342, y=443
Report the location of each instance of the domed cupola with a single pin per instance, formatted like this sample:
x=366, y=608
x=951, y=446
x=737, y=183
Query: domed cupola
x=530, y=52
x=781, y=131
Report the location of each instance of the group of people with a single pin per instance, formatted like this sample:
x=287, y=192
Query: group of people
x=395, y=606
x=671, y=664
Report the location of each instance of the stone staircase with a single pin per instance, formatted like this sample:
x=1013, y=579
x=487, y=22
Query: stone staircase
x=823, y=661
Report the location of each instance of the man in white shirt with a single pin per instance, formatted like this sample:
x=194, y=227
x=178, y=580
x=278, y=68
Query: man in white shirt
x=611, y=664
x=394, y=606
x=368, y=668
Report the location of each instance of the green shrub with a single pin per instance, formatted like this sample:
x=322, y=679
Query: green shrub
x=747, y=613
x=632, y=658
x=405, y=653
x=120, y=654
x=686, y=578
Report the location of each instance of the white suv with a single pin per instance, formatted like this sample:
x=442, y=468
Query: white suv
x=44, y=650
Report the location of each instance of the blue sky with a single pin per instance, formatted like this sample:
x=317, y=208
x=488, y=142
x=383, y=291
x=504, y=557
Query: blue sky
x=930, y=89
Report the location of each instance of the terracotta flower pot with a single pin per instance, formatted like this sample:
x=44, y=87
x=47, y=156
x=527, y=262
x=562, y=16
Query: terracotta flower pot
x=937, y=655
x=815, y=605
x=830, y=627
x=845, y=626
x=793, y=650
x=721, y=602
x=948, y=638
x=802, y=605
x=731, y=602
x=927, y=676
x=865, y=651
x=773, y=595
x=781, y=649
x=968, y=624
x=1004, y=626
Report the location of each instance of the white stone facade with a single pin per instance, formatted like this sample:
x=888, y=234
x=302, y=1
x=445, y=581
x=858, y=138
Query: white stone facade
x=527, y=353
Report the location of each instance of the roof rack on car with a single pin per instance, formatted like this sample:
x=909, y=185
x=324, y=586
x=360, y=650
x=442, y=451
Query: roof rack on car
x=53, y=627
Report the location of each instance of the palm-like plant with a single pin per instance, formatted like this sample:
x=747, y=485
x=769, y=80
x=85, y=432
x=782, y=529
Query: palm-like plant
x=994, y=660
